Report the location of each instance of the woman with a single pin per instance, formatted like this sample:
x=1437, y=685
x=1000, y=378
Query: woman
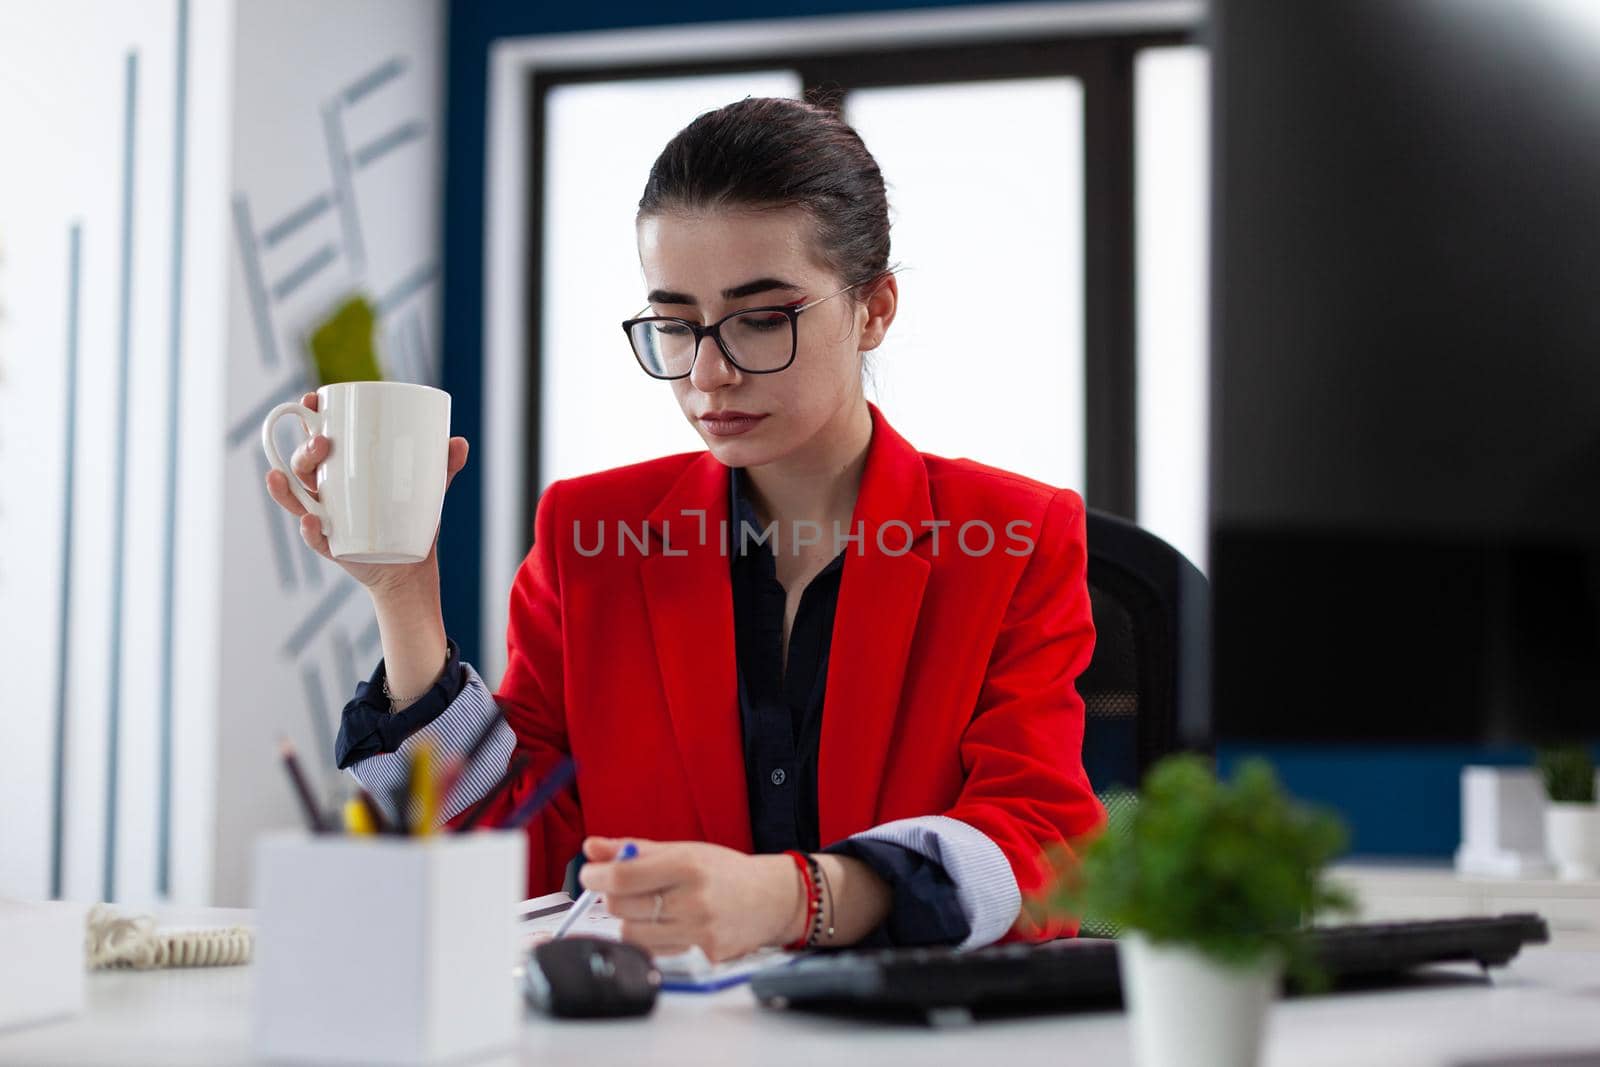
x=807, y=635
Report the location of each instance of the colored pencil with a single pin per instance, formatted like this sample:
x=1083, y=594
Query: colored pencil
x=357, y=820
x=400, y=797
x=512, y=773
x=553, y=783
x=424, y=788
x=302, y=788
x=375, y=813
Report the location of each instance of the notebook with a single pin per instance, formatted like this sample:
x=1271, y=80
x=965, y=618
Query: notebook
x=684, y=972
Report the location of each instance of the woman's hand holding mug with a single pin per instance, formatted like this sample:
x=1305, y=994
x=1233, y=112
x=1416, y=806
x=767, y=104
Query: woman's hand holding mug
x=371, y=556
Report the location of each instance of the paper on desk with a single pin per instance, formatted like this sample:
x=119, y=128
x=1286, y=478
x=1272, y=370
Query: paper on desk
x=683, y=971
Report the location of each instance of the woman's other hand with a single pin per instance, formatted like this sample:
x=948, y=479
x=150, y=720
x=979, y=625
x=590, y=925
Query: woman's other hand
x=722, y=900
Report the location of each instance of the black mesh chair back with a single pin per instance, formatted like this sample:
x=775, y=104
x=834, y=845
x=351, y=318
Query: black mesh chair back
x=1146, y=691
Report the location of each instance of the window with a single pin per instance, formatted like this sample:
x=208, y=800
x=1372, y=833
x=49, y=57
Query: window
x=985, y=357
x=1170, y=174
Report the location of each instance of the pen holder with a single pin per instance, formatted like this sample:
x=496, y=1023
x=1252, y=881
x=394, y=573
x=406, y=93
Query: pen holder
x=387, y=949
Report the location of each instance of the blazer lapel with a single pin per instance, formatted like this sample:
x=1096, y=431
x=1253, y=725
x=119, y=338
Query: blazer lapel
x=880, y=596
x=690, y=599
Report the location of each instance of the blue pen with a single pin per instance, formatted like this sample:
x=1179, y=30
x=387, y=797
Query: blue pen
x=587, y=898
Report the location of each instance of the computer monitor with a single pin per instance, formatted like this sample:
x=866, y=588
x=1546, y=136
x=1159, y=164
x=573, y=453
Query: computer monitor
x=1405, y=460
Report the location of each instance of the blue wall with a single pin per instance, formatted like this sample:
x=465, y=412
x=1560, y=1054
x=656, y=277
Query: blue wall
x=1397, y=800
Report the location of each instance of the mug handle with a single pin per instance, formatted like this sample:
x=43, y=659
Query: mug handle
x=314, y=424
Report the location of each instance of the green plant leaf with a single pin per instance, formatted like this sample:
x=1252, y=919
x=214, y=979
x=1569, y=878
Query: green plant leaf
x=1568, y=773
x=1233, y=869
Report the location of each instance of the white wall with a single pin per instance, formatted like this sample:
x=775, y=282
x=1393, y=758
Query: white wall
x=260, y=76
x=64, y=108
x=300, y=69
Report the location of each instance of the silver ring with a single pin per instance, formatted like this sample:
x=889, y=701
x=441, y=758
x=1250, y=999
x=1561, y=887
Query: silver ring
x=655, y=916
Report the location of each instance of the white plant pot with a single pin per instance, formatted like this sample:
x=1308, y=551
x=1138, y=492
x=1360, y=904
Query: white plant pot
x=1572, y=837
x=1187, y=1010
x=1502, y=823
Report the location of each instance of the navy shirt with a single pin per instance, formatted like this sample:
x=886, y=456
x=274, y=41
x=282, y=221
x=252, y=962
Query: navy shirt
x=781, y=713
x=368, y=727
x=780, y=710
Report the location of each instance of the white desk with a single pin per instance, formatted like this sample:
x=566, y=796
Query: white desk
x=1415, y=890
x=1547, y=1001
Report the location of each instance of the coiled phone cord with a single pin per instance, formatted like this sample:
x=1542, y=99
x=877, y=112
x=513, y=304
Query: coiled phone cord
x=135, y=942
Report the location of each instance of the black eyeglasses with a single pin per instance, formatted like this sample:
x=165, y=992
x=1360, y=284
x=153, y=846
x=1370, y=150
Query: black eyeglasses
x=761, y=340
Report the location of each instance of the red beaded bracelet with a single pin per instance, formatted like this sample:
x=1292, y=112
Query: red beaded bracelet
x=813, y=897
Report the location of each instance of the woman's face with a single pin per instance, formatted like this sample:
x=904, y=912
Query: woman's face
x=702, y=267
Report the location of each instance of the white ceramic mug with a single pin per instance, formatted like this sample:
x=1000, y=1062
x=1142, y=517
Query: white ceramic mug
x=381, y=489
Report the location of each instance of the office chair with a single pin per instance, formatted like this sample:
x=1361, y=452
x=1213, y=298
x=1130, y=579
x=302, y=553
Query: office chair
x=1146, y=692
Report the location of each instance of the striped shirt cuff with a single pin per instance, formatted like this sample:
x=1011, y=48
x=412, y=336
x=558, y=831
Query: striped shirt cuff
x=985, y=886
x=451, y=734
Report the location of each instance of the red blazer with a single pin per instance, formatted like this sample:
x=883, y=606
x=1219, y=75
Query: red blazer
x=950, y=686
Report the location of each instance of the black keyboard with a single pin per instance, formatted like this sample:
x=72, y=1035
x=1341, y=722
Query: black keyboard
x=942, y=985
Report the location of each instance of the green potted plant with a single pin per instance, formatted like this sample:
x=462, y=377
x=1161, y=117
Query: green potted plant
x=1571, y=819
x=1209, y=884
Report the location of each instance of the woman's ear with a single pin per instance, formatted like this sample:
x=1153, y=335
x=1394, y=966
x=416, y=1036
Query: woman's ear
x=880, y=307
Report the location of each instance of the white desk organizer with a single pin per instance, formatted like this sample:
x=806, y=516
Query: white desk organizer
x=1502, y=823
x=387, y=949
x=42, y=961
